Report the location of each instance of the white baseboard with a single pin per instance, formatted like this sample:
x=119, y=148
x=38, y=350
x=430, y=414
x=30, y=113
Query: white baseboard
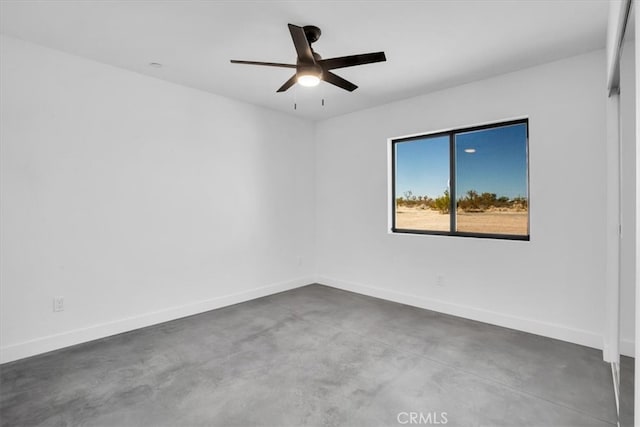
x=40, y=345
x=551, y=330
x=37, y=346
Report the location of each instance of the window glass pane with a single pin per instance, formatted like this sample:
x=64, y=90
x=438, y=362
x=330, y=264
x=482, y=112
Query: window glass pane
x=491, y=181
x=422, y=184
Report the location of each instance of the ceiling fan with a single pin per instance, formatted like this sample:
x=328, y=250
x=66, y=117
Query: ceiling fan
x=310, y=67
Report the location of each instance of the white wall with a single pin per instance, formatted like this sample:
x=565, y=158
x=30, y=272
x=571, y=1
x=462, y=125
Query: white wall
x=139, y=200
x=628, y=199
x=552, y=285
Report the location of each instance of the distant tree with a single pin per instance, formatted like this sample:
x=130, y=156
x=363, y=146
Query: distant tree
x=408, y=194
x=443, y=203
x=470, y=202
x=474, y=202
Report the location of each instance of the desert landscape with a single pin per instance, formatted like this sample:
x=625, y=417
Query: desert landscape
x=476, y=213
x=491, y=221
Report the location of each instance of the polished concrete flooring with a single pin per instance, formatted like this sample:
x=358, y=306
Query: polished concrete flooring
x=314, y=356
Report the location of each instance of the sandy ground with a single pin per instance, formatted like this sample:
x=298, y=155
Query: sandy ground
x=484, y=222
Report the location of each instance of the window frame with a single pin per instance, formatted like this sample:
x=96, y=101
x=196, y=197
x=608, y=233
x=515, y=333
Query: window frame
x=452, y=182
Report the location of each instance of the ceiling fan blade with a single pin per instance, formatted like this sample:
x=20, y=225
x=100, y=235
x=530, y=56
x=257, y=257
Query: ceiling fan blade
x=329, y=77
x=302, y=44
x=288, y=83
x=353, y=60
x=268, y=64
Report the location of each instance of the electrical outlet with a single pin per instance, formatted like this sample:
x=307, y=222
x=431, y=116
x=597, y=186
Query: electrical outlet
x=58, y=303
x=299, y=261
x=440, y=280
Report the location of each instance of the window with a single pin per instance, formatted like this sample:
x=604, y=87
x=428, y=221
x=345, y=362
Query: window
x=466, y=182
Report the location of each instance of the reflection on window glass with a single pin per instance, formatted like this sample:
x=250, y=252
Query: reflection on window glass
x=422, y=184
x=491, y=181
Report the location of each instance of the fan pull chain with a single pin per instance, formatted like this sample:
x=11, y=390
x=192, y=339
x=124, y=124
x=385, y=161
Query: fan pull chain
x=324, y=92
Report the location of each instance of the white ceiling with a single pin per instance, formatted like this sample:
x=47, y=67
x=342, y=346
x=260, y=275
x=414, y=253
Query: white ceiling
x=429, y=45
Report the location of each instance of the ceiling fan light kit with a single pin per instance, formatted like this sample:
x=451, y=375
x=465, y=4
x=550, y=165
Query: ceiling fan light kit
x=309, y=75
x=310, y=67
x=308, y=80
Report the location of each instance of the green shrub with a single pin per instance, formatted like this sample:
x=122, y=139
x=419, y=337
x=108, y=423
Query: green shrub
x=442, y=203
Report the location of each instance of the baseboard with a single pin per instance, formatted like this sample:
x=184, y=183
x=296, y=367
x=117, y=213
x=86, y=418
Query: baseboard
x=41, y=345
x=551, y=330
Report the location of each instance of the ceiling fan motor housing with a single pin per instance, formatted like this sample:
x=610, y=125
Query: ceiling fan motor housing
x=312, y=33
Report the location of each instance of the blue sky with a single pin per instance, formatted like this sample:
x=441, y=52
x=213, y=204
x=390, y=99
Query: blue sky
x=498, y=164
x=422, y=166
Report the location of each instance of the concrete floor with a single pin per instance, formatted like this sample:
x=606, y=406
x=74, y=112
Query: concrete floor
x=314, y=356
